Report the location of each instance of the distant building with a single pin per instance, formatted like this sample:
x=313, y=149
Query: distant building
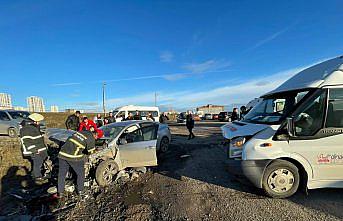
x=54, y=108
x=19, y=108
x=5, y=101
x=210, y=109
x=35, y=104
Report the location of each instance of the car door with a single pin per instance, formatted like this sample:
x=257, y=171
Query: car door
x=140, y=149
x=319, y=138
x=4, y=122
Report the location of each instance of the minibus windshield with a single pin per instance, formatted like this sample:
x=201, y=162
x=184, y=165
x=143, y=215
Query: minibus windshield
x=272, y=110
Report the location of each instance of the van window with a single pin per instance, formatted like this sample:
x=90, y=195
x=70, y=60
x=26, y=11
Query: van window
x=335, y=108
x=310, y=118
x=4, y=116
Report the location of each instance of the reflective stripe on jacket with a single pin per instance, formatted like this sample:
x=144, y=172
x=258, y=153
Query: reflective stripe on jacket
x=76, y=144
x=32, y=141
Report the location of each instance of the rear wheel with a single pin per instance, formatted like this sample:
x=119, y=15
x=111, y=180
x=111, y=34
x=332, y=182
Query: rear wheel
x=281, y=179
x=12, y=132
x=164, y=145
x=106, y=173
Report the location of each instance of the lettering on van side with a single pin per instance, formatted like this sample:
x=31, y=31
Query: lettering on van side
x=330, y=158
x=332, y=131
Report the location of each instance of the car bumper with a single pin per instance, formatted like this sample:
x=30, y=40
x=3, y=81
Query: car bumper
x=252, y=169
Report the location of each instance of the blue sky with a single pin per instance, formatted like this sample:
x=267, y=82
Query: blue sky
x=189, y=52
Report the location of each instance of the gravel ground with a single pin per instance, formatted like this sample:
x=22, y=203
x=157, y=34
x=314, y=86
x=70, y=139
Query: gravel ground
x=192, y=183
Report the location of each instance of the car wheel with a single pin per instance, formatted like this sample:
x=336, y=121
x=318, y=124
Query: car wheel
x=12, y=132
x=106, y=173
x=281, y=179
x=164, y=145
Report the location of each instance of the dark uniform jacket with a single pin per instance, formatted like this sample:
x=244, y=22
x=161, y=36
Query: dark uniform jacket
x=73, y=122
x=32, y=140
x=110, y=119
x=189, y=121
x=77, y=145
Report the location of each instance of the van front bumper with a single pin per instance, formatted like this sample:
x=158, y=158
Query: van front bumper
x=252, y=169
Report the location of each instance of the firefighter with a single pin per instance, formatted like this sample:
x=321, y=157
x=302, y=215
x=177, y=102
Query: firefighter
x=33, y=144
x=73, y=154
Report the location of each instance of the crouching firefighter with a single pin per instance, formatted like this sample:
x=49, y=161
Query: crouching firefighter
x=73, y=155
x=33, y=145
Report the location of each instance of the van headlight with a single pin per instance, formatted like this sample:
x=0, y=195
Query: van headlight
x=238, y=142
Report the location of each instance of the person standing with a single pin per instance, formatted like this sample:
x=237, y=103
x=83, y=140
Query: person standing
x=129, y=117
x=243, y=112
x=72, y=155
x=190, y=125
x=110, y=118
x=137, y=116
x=33, y=144
x=150, y=117
x=234, y=115
x=164, y=118
x=73, y=121
x=98, y=120
x=86, y=124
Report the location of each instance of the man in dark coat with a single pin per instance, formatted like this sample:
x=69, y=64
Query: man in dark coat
x=164, y=118
x=137, y=116
x=234, y=115
x=110, y=118
x=190, y=125
x=73, y=121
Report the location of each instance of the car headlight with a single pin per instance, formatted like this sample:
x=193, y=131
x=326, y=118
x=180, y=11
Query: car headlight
x=238, y=142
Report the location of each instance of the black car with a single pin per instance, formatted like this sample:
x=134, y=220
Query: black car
x=224, y=116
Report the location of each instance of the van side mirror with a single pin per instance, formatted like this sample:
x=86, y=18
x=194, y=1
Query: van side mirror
x=290, y=126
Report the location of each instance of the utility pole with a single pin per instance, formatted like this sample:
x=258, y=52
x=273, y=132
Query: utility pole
x=103, y=98
x=155, y=99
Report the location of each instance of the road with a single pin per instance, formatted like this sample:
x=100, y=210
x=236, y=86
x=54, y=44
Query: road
x=192, y=183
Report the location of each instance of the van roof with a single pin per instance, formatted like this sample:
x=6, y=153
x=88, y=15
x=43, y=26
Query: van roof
x=326, y=73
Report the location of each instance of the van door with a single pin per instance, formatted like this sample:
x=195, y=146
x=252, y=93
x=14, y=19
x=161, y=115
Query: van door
x=140, y=149
x=319, y=138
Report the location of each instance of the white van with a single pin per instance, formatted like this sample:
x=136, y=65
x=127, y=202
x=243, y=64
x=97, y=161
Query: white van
x=122, y=113
x=294, y=136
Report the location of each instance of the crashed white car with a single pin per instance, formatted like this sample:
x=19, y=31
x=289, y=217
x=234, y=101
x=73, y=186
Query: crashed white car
x=125, y=144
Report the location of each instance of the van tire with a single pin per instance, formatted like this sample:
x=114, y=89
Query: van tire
x=106, y=173
x=280, y=179
x=12, y=132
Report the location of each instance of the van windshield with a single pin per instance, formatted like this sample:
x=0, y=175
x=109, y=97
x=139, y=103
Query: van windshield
x=272, y=110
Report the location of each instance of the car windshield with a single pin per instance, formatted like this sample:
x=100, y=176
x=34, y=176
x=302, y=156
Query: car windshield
x=112, y=131
x=19, y=114
x=272, y=110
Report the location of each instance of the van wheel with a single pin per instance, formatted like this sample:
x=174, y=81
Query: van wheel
x=280, y=179
x=12, y=132
x=164, y=145
x=106, y=173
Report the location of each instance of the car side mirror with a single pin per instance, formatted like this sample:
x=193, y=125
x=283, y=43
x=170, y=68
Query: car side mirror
x=290, y=126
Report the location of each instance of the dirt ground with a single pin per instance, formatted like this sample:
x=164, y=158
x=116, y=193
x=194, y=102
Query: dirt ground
x=192, y=183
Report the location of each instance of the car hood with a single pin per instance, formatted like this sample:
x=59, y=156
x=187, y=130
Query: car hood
x=59, y=134
x=239, y=129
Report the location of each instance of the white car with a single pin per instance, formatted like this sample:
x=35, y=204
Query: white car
x=125, y=144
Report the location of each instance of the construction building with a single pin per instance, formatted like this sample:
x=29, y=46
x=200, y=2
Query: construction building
x=35, y=104
x=5, y=101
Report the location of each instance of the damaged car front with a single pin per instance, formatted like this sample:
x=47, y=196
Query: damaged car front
x=125, y=144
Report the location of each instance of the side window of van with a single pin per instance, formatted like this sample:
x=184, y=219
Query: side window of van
x=310, y=119
x=335, y=109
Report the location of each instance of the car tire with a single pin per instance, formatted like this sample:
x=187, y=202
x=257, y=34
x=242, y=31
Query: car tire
x=164, y=145
x=12, y=132
x=280, y=179
x=106, y=172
